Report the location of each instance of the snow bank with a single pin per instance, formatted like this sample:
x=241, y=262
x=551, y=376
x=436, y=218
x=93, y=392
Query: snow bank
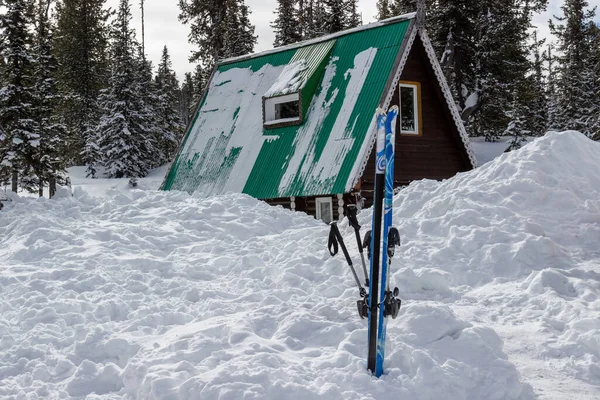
x=152, y=295
x=518, y=236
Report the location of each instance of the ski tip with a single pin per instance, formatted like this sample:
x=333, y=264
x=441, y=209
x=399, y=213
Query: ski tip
x=393, y=109
x=380, y=111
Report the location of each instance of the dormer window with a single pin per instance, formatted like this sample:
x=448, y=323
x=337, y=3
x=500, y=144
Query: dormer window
x=287, y=100
x=282, y=109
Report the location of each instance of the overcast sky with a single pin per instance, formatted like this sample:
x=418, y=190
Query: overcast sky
x=163, y=28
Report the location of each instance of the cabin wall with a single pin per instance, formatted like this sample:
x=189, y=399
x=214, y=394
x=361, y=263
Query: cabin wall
x=309, y=204
x=438, y=153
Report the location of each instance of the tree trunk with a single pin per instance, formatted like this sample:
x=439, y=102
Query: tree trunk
x=15, y=180
x=51, y=186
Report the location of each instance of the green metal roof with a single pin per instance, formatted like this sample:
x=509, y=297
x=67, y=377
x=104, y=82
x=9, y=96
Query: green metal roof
x=227, y=148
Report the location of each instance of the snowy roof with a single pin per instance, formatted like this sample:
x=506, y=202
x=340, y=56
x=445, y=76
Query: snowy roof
x=347, y=76
x=228, y=149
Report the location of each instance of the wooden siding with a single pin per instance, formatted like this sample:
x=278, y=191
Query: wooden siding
x=309, y=204
x=438, y=153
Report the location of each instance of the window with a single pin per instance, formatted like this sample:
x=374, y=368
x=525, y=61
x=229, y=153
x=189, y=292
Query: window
x=325, y=209
x=282, y=109
x=410, y=108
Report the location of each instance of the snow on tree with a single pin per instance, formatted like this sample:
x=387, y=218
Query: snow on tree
x=536, y=93
x=186, y=99
x=81, y=41
x=239, y=38
x=169, y=124
x=48, y=161
x=19, y=140
x=354, y=18
x=124, y=134
x=553, y=101
x=574, y=80
x=219, y=29
x=517, y=125
x=286, y=26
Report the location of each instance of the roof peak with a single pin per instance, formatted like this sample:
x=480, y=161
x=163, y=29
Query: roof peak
x=400, y=18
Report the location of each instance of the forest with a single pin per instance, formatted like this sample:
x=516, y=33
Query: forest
x=77, y=88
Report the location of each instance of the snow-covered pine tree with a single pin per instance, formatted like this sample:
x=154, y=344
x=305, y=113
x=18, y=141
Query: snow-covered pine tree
x=554, y=122
x=148, y=105
x=573, y=50
x=286, y=25
x=19, y=140
x=336, y=15
x=199, y=78
x=239, y=38
x=124, y=134
x=517, y=125
x=383, y=9
x=218, y=28
x=535, y=85
x=591, y=82
x=80, y=45
x=167, y=113
x=48, y=161
x=501, y=62
x=186, y=99
x=354, y=18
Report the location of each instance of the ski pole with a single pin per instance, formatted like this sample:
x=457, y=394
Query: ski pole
x=351, y=214
x=334, y=238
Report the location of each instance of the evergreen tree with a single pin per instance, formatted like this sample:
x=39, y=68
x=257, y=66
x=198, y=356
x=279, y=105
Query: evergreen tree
x=591, y=82
x=219, y=29
x=335, y=16
x=186, y=99
x=383, y=9
x=80, y=42
x=572, y=82
x=537, y=119
x=169, y=121
x=200, y=78
x=354, y=18
x=553, y=100
x=124, y=134
x=19, y=141
x=48, y=162
x=517, y=125
x=287, y=24
x=239, y=38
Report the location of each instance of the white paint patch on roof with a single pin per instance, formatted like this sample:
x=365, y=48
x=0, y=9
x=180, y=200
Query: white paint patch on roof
x=321, y=174
x=291, y=80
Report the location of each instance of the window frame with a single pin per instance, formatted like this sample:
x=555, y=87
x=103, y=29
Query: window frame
x=269, y=110
x=416, y=86
x=318, y=202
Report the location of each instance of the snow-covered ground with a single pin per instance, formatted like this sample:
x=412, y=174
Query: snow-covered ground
x=119, y=293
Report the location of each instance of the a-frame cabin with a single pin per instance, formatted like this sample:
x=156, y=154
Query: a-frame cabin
x=295, y=126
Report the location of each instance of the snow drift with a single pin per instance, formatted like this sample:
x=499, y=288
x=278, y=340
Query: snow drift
x=152, y=295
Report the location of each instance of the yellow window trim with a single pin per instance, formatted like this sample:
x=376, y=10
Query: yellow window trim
x=419, y=108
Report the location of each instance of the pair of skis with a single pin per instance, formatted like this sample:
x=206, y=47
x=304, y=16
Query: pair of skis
x=388, y=303
x=378, y=304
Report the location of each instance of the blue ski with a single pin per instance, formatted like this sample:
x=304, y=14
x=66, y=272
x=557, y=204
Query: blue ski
x=375, y=240
x=388, y=304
